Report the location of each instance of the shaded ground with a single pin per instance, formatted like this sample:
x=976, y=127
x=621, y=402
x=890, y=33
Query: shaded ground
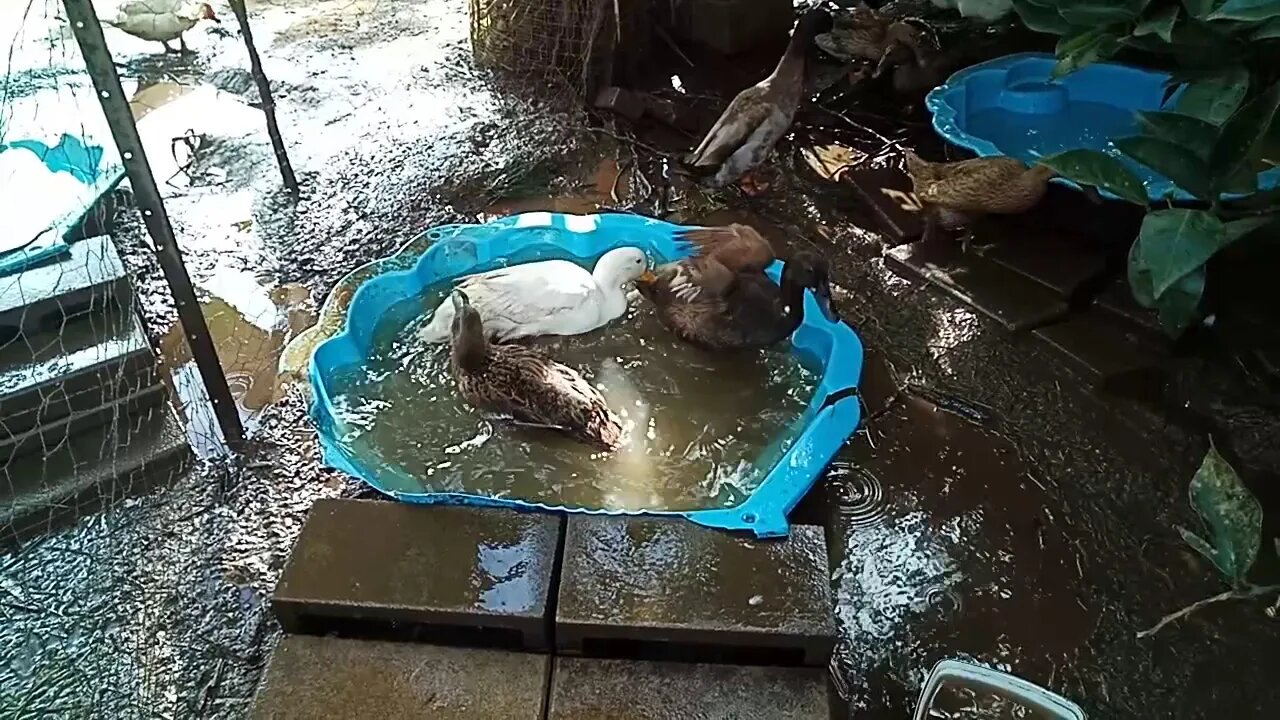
x=1034, y=531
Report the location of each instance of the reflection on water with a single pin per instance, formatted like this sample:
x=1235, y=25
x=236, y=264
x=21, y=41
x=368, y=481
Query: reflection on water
x=249, y=325
x=695, y=423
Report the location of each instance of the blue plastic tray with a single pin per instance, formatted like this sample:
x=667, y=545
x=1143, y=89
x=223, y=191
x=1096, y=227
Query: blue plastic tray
x=461, y=250
x=1085, y=109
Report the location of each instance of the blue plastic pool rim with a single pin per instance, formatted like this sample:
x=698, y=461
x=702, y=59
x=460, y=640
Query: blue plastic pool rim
x=764, y=512
x=946, y=124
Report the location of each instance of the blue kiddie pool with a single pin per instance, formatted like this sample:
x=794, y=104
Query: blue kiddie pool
x=794, y=463
x=1009, y=106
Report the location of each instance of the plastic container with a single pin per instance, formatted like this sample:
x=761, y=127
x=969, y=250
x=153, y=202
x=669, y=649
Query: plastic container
x=1010, y=106
x=831, y=417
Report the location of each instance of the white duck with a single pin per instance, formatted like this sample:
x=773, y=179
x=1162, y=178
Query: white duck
x=552, y=297
x=160, y=20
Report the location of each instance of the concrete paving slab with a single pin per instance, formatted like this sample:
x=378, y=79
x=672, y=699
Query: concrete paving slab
x=86, y=278
x=591, y=689
x=448, y=574
x=665, y=589
x=313, y=678
x=1107, y=355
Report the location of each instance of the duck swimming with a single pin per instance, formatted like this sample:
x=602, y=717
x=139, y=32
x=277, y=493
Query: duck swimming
x=552, y=297
x=720, y=255
x=752, y=313
x=760, y=115
x=525, y=383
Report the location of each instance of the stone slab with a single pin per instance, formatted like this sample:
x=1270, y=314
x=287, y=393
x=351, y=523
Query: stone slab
x=313, y=678
x=662, y=589
x=888, y=193
x=1007, y=297
x=42, y=438
x=127, y=457
x=41, y=297
x=449, y=574
x=1105, y=354
x=82, y=365
x=1061, y=261
x=591, y=689
x=1117, y=300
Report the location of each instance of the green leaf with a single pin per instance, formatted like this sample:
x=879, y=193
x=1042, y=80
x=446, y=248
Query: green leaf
x=1242, y=133
x=1159, y=23
x=1215, y=99
x=1198, y=8
x=1247, y=10
x=1269, y=30
x=1176, y=242
x=1180, y=165
x=1084, y=48
x=1186, y=131
x=1092, y=14
x=1179, y=307
x=1237, y=229
x=1278, y=547
x=1140, y=277
x=1041, y=19
x=1198, y=544
x=1231, y=514
x=1090, y=167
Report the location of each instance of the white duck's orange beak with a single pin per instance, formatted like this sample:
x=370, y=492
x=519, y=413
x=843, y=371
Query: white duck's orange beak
x=647, y=278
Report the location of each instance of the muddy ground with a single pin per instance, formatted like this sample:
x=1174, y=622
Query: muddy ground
x=1034, y=532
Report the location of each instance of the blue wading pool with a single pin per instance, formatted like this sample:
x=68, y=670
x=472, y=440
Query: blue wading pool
x=831, y=417
x=1009, y=106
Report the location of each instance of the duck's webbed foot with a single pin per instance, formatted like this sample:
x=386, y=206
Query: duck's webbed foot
x=167, y=47
x=182, y=45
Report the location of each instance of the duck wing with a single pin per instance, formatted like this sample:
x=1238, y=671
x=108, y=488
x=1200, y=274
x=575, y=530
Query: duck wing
x=748, y=111
x=980, y=184
x=546, y=392
x=737, y=247
x=539, y=298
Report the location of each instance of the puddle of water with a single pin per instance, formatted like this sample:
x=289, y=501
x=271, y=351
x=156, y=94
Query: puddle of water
x=690, y=443
x=950, y=549
x=250, y=326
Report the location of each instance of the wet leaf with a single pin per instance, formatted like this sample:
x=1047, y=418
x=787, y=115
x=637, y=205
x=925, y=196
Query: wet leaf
x=1189, y=132
x=1180, y=165
x=1231, y=514
x=1041, y=19
x=1198, y=8
x=1215, y=99
x=1090, y=167
x=1242, y=133
x=1140, y=277
x=1247, y=10
x=1084, y=48
x=1099, y=12
x=1269, y=30
x=1175, y=242
x=1159, y=23
x=831, y=161
x=1179, y=306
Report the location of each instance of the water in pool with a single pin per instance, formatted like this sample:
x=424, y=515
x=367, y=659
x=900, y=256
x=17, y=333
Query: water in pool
x=701, y=428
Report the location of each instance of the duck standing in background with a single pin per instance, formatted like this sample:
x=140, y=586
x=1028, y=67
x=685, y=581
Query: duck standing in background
x=760, y=115
x=525, y=384
x=954, y=194
x=551, y=297
x=160, y=20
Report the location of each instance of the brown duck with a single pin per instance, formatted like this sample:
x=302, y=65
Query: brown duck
x=954, y=194
x=863, y=34
x=720, y=255
x=752, y=313
x=760, y=115
x=526, y=384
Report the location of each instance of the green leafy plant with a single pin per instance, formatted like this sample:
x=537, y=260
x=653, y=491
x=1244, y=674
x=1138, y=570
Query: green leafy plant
x=1232, y=520
x=1220, y=128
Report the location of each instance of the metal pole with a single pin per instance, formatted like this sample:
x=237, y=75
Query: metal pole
x=264, y=94
x=102, y=70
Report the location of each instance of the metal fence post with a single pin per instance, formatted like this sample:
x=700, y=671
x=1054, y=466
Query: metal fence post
x=264, y=94
x=102, y=70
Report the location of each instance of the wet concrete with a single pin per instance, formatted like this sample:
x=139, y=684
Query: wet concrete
x=156, y=606
x=587, y=689
x=478, y=574
x=668, y=588
x=313, y=677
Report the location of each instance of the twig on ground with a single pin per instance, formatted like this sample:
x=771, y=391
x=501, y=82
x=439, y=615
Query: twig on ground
x=1241, y=594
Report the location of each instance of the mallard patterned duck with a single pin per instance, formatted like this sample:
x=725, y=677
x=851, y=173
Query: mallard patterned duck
x=753, y=313
x=525, y=384
x=954, y=194
x=760, y=115
x=862, y=34
x=720, y=255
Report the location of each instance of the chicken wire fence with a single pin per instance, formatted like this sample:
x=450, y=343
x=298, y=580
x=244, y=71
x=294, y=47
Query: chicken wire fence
x=116, y=599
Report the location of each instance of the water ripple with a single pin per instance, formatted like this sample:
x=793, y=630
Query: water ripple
x=858, y=495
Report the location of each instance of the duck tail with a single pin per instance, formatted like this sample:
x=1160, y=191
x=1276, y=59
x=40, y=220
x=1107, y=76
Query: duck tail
x=606, y=430
x=436, y=330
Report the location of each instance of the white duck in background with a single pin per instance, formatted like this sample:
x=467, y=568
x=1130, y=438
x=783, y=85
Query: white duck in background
x=552, y=297
x=159, y=20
